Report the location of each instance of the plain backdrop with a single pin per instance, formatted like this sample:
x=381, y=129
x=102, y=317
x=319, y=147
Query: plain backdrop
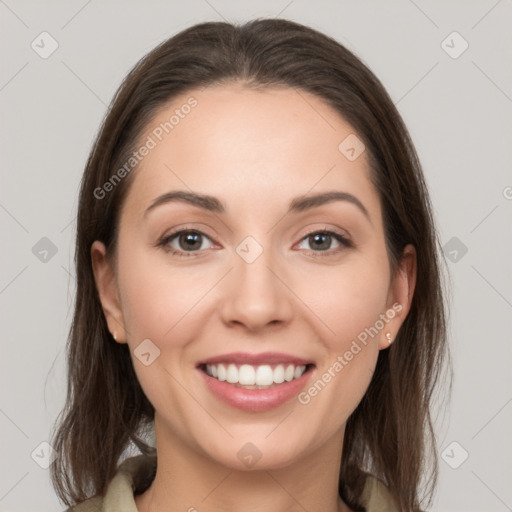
x=447, y=67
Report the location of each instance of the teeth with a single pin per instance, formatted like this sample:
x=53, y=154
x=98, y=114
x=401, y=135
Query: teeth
x=232, y=374
x=289, y=373
x=246, y=375
x=264, y=375
x=279, y=374
x=255, y=376
x=221, y=372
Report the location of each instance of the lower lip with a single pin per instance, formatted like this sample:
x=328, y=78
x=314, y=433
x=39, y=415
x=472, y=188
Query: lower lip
x=255, y=400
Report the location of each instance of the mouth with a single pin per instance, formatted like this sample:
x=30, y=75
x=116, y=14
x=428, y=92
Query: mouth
x=255, y=382
x=248, y=376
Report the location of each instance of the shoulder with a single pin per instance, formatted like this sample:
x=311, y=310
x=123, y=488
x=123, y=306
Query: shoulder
x=91, y=505
x=133, y=476
x=376, y=496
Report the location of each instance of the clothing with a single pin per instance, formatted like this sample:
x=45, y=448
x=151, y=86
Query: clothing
x=135, y=475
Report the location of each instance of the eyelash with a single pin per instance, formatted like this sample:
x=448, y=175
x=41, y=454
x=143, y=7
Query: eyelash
x=163, y=243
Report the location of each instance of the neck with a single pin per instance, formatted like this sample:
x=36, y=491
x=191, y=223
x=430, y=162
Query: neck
x=189, y=481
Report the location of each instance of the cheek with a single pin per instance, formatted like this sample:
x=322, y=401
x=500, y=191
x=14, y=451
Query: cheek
x=162, y=303
x=157, y=297
x=351, y=302
x=348, y=299
x=350, y=305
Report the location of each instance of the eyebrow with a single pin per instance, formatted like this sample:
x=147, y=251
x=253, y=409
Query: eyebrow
x=297, y=205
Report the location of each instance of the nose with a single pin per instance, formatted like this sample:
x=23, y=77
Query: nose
x=255, y=295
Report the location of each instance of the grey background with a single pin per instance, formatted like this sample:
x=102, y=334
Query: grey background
x=458, y=111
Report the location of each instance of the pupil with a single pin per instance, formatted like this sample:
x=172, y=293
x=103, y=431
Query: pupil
x=326, y=238
x=190, y=238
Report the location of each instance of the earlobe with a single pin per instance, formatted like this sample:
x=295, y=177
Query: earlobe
x=106, y=285
x=400, y=295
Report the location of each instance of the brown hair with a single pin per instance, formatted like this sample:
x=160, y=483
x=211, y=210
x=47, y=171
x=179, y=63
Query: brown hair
x=390, y=434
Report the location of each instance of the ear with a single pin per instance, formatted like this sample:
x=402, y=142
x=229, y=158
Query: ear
x=401, y=292
x=104, y=276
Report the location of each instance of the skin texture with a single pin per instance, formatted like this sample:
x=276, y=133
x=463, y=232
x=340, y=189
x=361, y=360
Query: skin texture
x=255, y=151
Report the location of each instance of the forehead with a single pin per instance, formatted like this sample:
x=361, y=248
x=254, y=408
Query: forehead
x=236, y=143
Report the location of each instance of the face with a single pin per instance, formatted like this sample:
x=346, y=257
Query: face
x=254, y=315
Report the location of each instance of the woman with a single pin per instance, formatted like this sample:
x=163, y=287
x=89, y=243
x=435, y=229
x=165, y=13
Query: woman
x=259, y=281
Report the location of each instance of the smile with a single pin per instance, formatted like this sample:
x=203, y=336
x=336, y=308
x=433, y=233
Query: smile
x=255, y=382
x=255, y=377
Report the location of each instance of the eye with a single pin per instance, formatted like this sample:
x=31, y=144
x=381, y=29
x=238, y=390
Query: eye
x=321, y=241
x=184, y=241
x=189, y=242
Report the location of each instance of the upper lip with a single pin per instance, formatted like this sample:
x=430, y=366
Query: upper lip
x=255, y=359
